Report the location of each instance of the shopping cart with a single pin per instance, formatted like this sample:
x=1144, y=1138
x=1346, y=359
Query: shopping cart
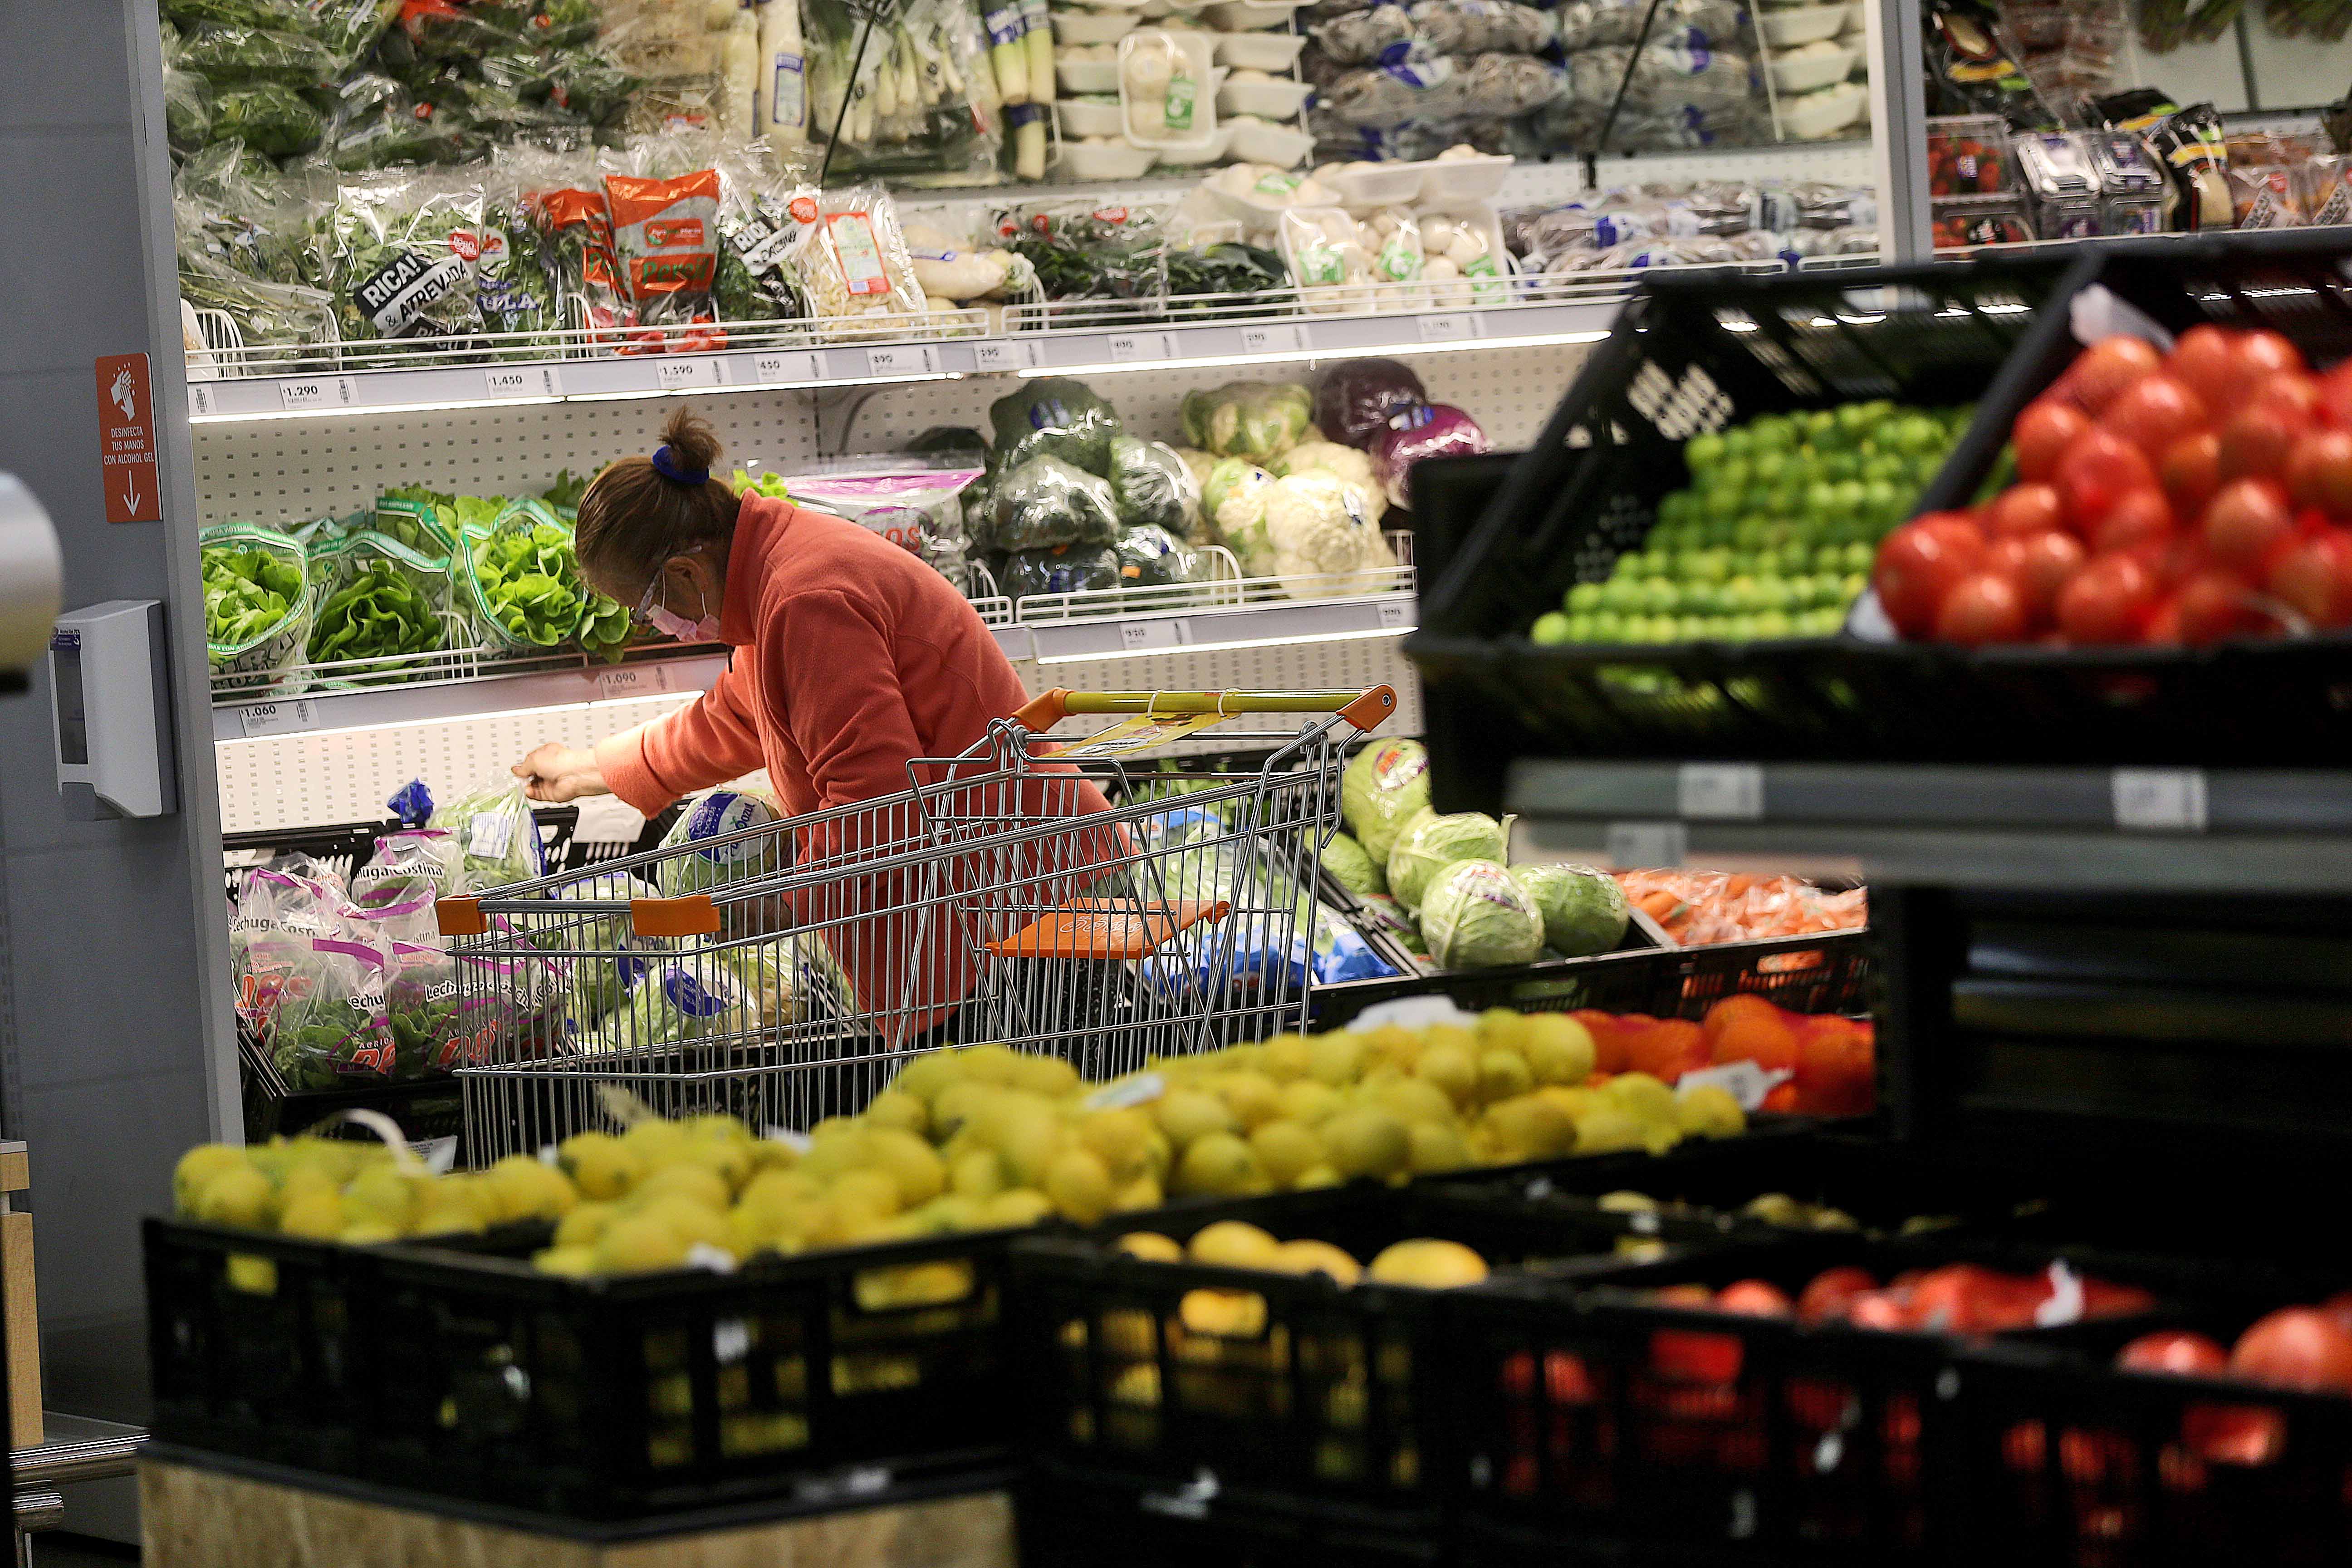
x=1035, y=893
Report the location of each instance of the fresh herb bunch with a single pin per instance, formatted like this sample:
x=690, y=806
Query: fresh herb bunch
x=379, y=612
x=247, y=593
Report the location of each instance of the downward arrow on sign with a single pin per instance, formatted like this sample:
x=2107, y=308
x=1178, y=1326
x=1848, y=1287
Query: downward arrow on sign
x=131, y=491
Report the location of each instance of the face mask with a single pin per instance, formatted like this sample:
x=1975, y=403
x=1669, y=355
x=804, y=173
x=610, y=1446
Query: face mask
x=678, y=626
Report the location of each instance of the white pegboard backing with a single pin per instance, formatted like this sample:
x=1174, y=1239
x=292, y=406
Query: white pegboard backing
x=289, y=471
x=345, y=775
x=1353, y=665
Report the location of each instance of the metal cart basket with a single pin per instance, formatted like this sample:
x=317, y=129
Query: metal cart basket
x=1033, y=893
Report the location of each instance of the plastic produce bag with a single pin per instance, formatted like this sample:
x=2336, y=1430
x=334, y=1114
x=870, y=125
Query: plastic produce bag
x=1252, y=419
x=421, y=1007
x=498, y=840
x=666, y=237
x=521, y=580
x=1084, y=251
x=1046, y=502
x=1433, y=430
x=1150, y=486
x=273, y=119
x=256, y=606
x=397, y=254
x=1354, y=402
x=376, y=599
x=752, y=283
x=237, y=57
x=851, y=259
x=713, y=815
x=413, y=863
x=329, y=1027
x=1053, y=417
x=1383, y=788
x=1152, y=557
x=1064, y=569
x=922, y=511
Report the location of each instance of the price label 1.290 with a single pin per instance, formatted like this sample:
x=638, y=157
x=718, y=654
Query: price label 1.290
x=506, y=381
x=300, y=394
x=287, y=718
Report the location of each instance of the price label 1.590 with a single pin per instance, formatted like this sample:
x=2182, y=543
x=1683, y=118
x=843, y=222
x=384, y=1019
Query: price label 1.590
x=678, y=375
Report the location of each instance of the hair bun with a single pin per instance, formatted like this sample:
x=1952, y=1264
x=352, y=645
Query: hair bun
x=692, y=443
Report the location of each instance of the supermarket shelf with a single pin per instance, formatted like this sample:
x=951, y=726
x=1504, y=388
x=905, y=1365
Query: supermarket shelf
x=571, y=377
x=1213, y=627
x=2060, y=828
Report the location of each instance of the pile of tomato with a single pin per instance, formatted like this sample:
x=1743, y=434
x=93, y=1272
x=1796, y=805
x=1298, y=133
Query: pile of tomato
x=2179, y=497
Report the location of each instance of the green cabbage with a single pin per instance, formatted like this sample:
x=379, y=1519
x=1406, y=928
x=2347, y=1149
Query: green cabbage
x=1434, y=843
x=1476, y=917
x=1583, y=910
x=1352, y=867
x=1248, y=418
x=1384, y=786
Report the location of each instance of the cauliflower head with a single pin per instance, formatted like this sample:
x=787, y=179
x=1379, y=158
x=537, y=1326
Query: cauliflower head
x=1317, y=526
x=1346, y=463
x=1234, y=499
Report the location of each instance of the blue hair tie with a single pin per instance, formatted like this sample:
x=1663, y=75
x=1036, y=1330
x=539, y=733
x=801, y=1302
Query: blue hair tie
x=667, y=466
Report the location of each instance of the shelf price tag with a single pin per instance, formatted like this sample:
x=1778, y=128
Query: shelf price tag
x=796, y=365
x=200, y=398
x=1647, y=845
x=2159, y=800
x=298, y=394
x=1129, y=348
x=1283, y=339
x=903, y=359
x=678, y=375
x=631, y=680
x=288, y=718
x=1144, y=637
x=1001, y=355
x=1448, y=329
x=1720, y=791
x=524, y=381
x=1395, y=617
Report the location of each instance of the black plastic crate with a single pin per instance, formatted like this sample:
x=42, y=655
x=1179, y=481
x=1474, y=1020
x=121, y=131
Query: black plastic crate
x=1600, y=1411
x=1827, y=971
x=1687, y=355
x=1078, y=1518
x=461, y=1373
x=1289, y=1385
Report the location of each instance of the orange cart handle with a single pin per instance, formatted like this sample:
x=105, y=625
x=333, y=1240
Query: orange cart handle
x=1364, y=710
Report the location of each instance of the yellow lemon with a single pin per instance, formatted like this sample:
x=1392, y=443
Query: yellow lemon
x=1308, y=1102
x=1232, y=1244
x=640, y=1244
x=1219, y=1165
x=317, y=1216
x=1559, y=1048
x=1120, y=1139
x=917, y=1168
x=977, y=1173
x=1437, y=1146
x=1143, y=1192
x=1367, y=1141
x=1022, y=1205
x=1432, y=1265
x=1049, y=1075
x=1708, y=1111
x=1186, y=1115
x=236, y=1194
x=578, y=1262
x=1149, y=1245
x=1641, y=1097
x=1284, y=1149
x=1414, y=1100
x=1334, y=1058
x=1532, y=1127
x=1503, y=1075
x=1502, y=1029
x=1079, y=1185
x=1317, y=1257
x=584, y=1224
x=1252, y=1097
x=198, y=1166
x=698, y=1183
x=1606, y=1129
x=1287, y=1058
x=1450, y=1068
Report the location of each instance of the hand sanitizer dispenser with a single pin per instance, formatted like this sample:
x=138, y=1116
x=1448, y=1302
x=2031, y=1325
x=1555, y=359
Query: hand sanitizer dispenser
x=109, y=696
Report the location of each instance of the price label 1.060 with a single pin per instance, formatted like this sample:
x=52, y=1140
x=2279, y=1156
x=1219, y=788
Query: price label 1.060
x=287, y=718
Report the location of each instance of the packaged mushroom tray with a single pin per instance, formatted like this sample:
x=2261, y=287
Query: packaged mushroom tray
x=1169, y=95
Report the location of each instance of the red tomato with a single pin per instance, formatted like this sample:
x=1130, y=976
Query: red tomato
x=2190, y=472
x=2162, y=628
x=1687, y=1357
x=1917, y=565
x=2213, y=605
x=2175, y=1351
x=1754, y=1299
x=2153, y=412
x=2315, y=575
x=2104, y=371
x=2261, y=354
x=2256, y=442
x=2246, y=522
x=1837, y=1069
x=2041, y=435
x=2105, y=602
x=2296, y=1347
x=1833, y=1290
x=2031, y=507
x=2293, y=397
x=1881, y=1310
x=2205, y=359
x=2097, y=468
x=2233, y=1433
x=2039, y=566
x=2319, y=471
x=2139, y=518
x=2336, y=396
x=1983, y=607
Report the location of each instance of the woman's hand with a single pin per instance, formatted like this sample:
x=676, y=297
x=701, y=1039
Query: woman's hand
x=556, y=772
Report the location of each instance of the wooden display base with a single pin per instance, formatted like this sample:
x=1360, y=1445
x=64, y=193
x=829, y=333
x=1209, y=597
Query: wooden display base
x=197, y=1517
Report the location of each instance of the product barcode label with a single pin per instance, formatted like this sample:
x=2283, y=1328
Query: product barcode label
x=1126, y=347
x=1138, y=636
x=489, y=835
x=1448, y=329
x=1747, y=1082
x=200, y=399
x=2160, y=800
x=1720, y=791
x=277, y=718
x=1290, y=339
x=675, y=375
x=631, y=680
x=317, y=392
x=1646, y=846
x=1003, y=356
x=524, y=381
x=797, y=365
x=905, y=359
x=1395, y=617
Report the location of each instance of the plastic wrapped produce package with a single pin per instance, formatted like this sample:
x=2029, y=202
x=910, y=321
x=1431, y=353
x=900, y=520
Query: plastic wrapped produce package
x=498, y=841
x=1435, y=430
x=1257, y=420
x=1046, y=502
x=1051, y=417
x=1355, y=401
x=1152, y=557
x=256, y=606
x=1063, y=569
x=1151, y=487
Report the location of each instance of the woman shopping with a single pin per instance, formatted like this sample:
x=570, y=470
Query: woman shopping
x=849, y=658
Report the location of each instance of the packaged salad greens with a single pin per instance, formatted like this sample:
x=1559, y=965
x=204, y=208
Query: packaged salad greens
x=1082, y=251
x=376, y=599
x=1150, y=486
x=328, y=1027
x=522, y=584
x=665, y=239
x=397, y=252
x=413, y=863
x=256, y=606
x=1046, y=502
x=498, y=841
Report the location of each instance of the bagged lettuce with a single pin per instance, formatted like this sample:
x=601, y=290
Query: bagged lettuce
x=498, y=841
x=413, y=863
x=256, y=606
x=329, y=1028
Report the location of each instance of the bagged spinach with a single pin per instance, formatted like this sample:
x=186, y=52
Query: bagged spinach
x=1046, y=502
x=1152, y=557
x=498, y=841
x=398, y=255
x=241, y=57
x=329, y=1028
x=1151, y=487
x=270, y=118
x=256, y=606
x=1053, y=417
x=377, y=599
x=1064, y=569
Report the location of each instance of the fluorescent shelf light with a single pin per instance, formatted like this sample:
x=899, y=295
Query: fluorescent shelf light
x=1226, y=646
x=1206, y=362
x=367, y=409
